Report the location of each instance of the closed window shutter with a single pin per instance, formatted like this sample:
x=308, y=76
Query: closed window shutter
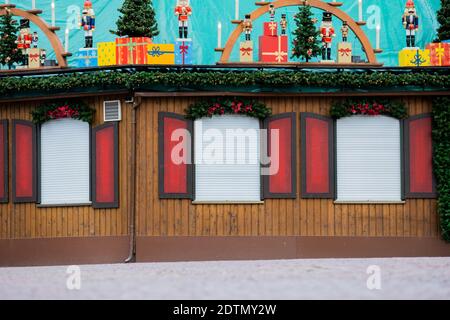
x=235, y=175
x=282, y=184
x=24, y=161
x=368, y=159
x=105, y=166
x=3, y=161
x=64, y=162
x=175, y=138
x=419, y=158
x=317, y=143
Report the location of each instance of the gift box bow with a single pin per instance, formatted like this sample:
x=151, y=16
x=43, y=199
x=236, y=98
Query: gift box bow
x=246, y=51
x=184, y=49
x=157, y=52
x=131, y=46
x=345, y=52
x=34, y=57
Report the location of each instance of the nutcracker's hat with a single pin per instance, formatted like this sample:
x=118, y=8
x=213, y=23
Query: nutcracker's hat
x=345, y=23
x=283, y=15
x=327, y=16
x=24, y=23
x=88, y=4
x=410, y=4
x=247, y=16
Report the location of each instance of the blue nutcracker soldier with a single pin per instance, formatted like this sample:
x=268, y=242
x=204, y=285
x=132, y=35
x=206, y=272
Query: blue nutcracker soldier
x=410, y=23
x=88, y=23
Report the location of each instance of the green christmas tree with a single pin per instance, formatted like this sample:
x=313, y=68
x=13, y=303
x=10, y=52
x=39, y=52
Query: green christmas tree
x=9, y=54
x=137, y=19
x=443, y=17
x=305, y=42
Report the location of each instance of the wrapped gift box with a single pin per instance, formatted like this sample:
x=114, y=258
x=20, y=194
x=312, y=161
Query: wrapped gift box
x=439, y=54
x=344, y=54
x=270, y=29
x=161, y=54
x=273, y=49
x=106, y=53
x=411, y=57
x=132, y=50
x=246, y=51
x=183, y=52
x=86, y=57
x=34, y=58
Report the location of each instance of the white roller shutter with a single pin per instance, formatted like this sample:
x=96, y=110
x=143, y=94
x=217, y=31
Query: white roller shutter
x=65, y=162
x=235, y=177
x=368, y=159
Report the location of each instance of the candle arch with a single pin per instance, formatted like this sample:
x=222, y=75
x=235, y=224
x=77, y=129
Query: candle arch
x=49, y=31
x=352, y=24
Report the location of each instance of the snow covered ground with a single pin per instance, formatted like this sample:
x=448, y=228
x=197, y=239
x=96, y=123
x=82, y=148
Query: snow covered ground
x=422, y=278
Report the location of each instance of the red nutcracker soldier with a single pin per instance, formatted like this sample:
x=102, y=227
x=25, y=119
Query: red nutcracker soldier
x=88, y=24
x=248, y=27
x=272, y=12
x=327, y=33
x=410, y=23
x=25, y=39
x=183, y=10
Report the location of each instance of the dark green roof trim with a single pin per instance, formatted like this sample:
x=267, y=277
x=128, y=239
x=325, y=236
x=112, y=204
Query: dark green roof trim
x=218, y=80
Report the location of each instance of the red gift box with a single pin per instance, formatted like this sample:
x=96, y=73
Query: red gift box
x=270, y=29
x=439, y=54
x=273, y=49
x=132, y=50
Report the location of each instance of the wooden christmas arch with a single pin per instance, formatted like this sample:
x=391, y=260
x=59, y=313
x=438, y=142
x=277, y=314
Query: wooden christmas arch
x=49, y=31
x=352, y=24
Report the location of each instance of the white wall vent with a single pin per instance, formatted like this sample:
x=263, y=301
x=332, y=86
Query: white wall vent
x=112, y=111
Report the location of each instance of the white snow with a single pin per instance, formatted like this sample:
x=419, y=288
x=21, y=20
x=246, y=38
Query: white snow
x=411, y=278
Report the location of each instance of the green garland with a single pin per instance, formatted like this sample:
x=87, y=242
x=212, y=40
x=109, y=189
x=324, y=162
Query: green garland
x=441, y=159
x=370, y=107
x=221, y=106
x=278, y=80
x=74, y=110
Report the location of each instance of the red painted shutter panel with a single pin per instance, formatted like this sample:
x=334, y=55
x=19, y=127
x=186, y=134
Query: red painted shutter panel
x=3, y=161
x=419, y=157
x=283, y=183
x=24, y=161
x=317, y=156
x=175, y=178
x=105, y=166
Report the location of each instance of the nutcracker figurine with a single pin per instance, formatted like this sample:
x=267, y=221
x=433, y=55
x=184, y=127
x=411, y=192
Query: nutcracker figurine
x=43, y=56
x=35, y=39
x=283, y=24
x=272, y=12
x=410, y=23
x=24, y=40
x=344, y=31
x=327, y=34
x=183, y=10
x=248, y=27
x=88, y=23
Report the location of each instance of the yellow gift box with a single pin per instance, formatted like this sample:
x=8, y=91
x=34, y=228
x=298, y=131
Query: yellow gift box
x=106, y=53
x=160, y=53
x=413, y=57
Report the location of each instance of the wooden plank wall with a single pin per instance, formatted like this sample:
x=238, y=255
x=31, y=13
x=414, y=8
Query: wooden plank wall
x=179, y=217
x=276, y=217
x=29, y=221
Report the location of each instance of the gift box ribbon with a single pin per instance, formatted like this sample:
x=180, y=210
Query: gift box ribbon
x=272, y=27
x=345, y=52
x=183, y=51
x=157, y=52
x=440, y=52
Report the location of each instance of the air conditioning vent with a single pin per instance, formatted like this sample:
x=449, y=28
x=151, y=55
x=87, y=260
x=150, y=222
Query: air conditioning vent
x=112, y=111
